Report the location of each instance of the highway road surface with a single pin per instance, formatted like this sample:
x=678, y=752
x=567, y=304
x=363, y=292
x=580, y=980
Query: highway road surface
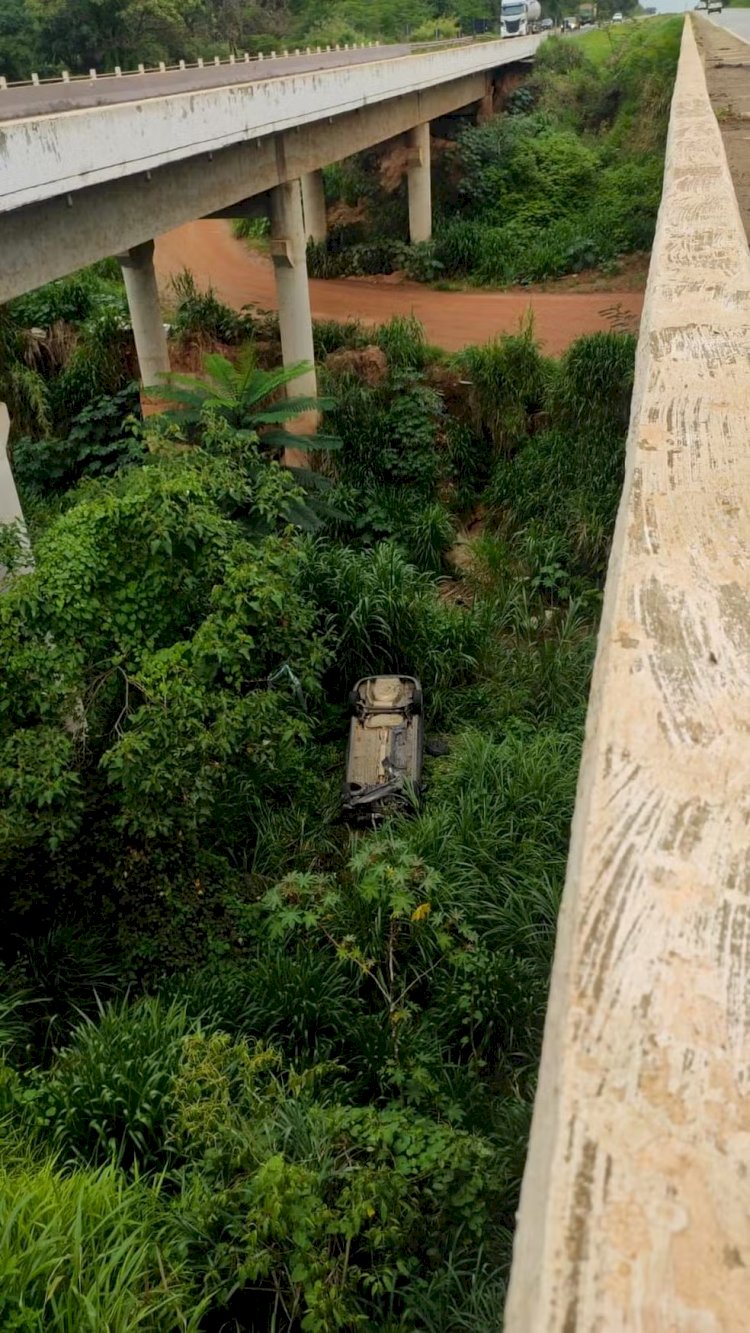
x=18, y=103
x=735, y=20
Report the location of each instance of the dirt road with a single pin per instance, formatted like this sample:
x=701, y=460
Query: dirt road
x=451, y=319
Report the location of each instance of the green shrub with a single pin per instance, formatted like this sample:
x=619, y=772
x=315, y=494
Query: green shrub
x=344, y=1203
x=386, y=616
x=509, y=379
x=201, y=316
x=104, y=437
x=403, y=341
x=89, y=1250
x=72, y=299
x=99, y=366
x=330, y=335
x=595, y=383
x=56, y=979
x=108, y=1096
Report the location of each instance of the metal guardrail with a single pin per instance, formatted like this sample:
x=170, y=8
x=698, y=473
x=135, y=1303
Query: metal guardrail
x=36, y=80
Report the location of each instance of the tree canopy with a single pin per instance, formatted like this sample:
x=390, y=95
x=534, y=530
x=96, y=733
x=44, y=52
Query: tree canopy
x=48, y=35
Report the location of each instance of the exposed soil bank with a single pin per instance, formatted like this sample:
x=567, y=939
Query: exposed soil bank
x=451, y=319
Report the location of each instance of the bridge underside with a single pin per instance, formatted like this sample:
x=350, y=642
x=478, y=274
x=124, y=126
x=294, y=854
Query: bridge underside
x=48, y=240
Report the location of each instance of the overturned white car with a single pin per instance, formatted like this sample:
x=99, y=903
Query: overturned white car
x=386, y=745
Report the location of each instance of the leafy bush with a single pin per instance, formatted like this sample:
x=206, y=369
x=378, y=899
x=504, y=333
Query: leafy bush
x=104, y=437
x=344, y=1202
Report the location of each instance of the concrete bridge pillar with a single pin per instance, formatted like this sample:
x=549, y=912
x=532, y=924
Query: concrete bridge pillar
x=314, y=206
x=145, y=313
x=289, y=253
x=420, y=184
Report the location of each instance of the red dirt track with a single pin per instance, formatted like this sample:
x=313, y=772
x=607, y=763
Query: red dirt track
x=451, y=319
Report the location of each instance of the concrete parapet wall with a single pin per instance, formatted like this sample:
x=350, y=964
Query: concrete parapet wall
x=634, y=1208
x=46, y=156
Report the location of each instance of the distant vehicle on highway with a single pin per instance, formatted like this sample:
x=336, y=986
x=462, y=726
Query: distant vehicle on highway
x=714, y=6
x=546, y=25
x=517, y=17
x=570, y=24
x=617, y=18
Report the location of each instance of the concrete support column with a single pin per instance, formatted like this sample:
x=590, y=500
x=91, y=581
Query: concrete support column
x=289, y=253
x=314, y=206
x=145, y=313
x=420, y=184
x=10, y=505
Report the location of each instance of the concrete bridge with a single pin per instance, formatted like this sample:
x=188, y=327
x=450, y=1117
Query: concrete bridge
x=635, y=1212
x=100, y=168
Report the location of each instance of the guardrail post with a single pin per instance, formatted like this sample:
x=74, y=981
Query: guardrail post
x=3, y=83
x=200, y=62
x=273, y=55
x=247, y=57
x=118, y=72
x=141, y=69
x=162, y=67
x=182, y=64
x=65, y=76
x=92, y=74
x=217, y=60
x=35, y=80
x=261, y=55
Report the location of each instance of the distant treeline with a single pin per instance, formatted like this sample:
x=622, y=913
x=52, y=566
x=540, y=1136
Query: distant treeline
x=47, y=35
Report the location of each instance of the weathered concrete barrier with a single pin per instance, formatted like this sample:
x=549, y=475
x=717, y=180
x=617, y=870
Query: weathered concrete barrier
x=635, y=1209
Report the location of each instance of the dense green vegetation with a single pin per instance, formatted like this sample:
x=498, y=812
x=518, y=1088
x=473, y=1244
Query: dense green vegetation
x=567, y=179
x=259, y=1071
x=48, y=35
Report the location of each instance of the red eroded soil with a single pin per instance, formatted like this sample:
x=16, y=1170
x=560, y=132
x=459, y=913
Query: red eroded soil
x=452, y=320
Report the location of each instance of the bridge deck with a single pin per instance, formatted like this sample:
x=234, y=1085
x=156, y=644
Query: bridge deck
x=56, y=97
x=634, y=1210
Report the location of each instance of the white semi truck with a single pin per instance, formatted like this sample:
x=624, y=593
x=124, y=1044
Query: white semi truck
x=519, y=17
